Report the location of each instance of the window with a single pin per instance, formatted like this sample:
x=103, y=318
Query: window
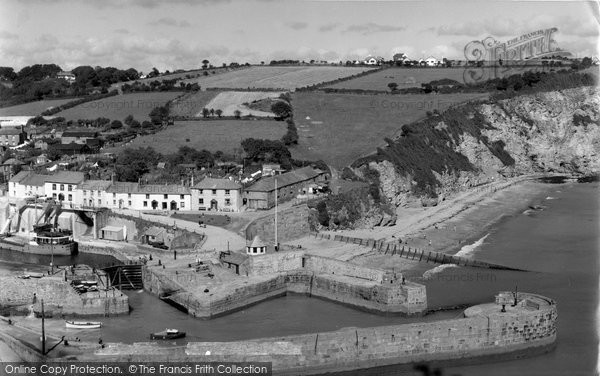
x=147, y=196
x=201, y=201
x=182, y=204
x=114, y=195
x=85, y=192
x=70, y=187
x=114, y=202
x=54, y=196
x=201, y=191
x=91, y=193
x=99, y=202
x=214, y=191
x=129, y=195
x=62, y=187
x=146, y=203
x=70, y=197
x=181, y=197
x=227, y=201
x=227, y=191
x=129, y=203
x=166, y=196
x=54, y=187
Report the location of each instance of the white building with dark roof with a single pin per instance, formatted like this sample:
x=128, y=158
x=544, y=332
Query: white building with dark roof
x=217, y=194
x=136, y=196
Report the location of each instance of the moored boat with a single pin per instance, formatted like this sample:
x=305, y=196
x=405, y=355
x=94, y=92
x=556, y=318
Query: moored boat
x=83, y=324
x=167, y=334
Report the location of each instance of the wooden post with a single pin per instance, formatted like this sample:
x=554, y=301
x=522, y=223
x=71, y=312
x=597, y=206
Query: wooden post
x=428, y=257
x=401, y=251
x=316, y=341
x=435, y=261
x=420, y=258
x=356, y=331
x=43, y=331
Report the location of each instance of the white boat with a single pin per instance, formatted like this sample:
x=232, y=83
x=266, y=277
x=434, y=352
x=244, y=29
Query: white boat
x=83, y=324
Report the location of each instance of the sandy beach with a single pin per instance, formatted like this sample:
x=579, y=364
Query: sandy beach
x=447, y=227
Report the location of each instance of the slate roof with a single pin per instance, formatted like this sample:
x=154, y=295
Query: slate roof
x=212, y=183
x=11, y=131
x=66, y=177
x=257, y=242
x=127, y=187
x=283, y=180
x=95, y=185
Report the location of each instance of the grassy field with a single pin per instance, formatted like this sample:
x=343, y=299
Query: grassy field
x=118, y=107
x=275, y=77
x=33, y=108
x=414, y=77
x=230, y=101
x=212, y=135
x=192, y=103
x=179, y=76
x=339, y=128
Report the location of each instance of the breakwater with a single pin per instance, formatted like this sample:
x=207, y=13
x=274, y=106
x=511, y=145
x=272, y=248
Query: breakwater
x=273, y=275
x=526, y=323
x=411, y=253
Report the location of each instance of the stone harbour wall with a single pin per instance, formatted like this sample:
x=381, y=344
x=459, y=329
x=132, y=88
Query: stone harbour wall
x=274, y=275
x=59, y=298
x=489, y=334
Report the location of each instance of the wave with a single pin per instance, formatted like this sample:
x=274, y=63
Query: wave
x=551, y=198
x=438, y=269
x=468, y=249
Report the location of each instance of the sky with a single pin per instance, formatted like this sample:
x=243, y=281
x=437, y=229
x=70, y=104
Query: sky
x=179, y=34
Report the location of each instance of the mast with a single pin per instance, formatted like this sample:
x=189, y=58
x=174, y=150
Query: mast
x=276, y=244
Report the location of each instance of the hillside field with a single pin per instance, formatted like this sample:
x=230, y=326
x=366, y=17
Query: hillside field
x=191, y=104
x=118, y=107
x=275, y=77
x=414, y=77
x=339, y=128
x=212, y=135
x=33, y=108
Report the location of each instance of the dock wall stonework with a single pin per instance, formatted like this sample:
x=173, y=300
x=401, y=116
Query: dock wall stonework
x=59, y=298
x=295, y=272
x=489, y=334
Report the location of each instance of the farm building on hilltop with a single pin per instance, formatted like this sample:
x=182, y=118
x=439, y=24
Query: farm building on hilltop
x=68, y=76
x=400, y=57
x=261, y=195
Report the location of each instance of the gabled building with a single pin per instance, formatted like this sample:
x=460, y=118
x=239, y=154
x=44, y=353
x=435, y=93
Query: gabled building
x=62, y=185
x=26, y=184
x=400, y=57
x=217, y=194
x=261, y=195
x=12, y=136
x=92, y=193
x=136, y=196
x=78, y=137
x=431, y=61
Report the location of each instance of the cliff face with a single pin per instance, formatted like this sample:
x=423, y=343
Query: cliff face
x=555, y=131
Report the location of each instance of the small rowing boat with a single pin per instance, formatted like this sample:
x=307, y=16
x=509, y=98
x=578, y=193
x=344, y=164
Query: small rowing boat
x=168, y=334
x=83, y=324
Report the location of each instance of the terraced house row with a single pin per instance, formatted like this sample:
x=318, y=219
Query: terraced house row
x=72, y=188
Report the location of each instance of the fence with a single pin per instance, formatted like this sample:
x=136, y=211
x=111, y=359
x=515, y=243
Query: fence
x=416, y=254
